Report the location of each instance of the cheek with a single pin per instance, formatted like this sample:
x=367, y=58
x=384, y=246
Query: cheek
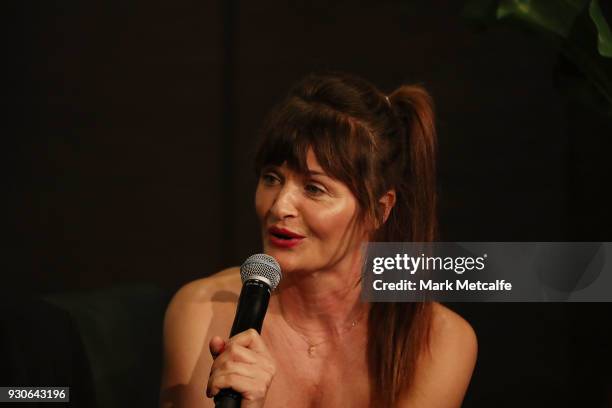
x=261, y=203
x=332, y=221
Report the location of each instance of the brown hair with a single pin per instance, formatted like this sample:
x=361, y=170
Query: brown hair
x=371, y=143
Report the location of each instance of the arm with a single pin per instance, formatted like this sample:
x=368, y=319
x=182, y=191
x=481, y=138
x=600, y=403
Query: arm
x=196, y=316
x=187, y=360
x=444, y=374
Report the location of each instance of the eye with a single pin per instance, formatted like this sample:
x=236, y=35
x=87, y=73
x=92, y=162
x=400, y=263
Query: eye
x=270, y=179
x=313, y=189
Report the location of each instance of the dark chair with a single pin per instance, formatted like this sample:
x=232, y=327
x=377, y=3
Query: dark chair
x=106, y=345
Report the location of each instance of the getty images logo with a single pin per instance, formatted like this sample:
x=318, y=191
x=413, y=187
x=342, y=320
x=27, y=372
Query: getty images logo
x=412, y=264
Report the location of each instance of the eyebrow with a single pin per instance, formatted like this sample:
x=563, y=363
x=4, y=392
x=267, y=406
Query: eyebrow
x=316, y=173
x=310, y=173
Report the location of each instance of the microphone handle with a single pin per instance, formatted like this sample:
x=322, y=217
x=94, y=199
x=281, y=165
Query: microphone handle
x=250, y=313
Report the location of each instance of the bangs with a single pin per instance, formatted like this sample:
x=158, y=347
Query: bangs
x=342, y=145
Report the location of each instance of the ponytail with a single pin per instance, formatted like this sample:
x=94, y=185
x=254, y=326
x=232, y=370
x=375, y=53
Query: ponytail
x=414, y=107
x=393, y=356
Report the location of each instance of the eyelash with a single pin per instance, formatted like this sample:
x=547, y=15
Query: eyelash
x=315, y=190
x=270, y=179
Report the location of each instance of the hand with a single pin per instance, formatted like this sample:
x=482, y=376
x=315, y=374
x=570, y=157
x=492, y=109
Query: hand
x=244, y=364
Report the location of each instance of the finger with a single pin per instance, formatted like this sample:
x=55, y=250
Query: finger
x=249, y=388
x=251, y=340
x=226, y=369
x=216, y=346
x=255, y=371
x=237, y=353
x=235, y=367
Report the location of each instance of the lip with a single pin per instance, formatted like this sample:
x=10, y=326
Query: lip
x=284, y=231
x=294, y=239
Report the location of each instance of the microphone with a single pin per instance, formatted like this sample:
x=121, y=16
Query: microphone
x=260, y=275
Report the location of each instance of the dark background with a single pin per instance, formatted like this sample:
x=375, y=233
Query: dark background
x=132, y=127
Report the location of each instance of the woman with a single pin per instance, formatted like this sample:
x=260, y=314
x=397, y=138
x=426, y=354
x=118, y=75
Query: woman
x=340, y=164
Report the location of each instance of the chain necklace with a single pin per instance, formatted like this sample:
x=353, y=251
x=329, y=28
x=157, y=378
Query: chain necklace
x=312, y=346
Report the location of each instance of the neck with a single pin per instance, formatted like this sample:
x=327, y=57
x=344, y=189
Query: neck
x=323, y=302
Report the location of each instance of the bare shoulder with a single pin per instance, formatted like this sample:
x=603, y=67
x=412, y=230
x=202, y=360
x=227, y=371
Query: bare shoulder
x=449, y=331
x=198, y=311
x=444, y=373
x=193, y=304
x=202, y=290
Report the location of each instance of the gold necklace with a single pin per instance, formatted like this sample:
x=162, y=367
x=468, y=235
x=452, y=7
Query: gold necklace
x=312, y=347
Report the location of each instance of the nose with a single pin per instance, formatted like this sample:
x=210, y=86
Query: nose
x=285, y=203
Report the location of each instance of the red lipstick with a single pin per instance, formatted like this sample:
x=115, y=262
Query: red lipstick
x=284, y=238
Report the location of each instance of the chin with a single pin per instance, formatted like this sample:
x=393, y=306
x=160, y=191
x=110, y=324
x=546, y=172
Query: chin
x=287, y=260
x=283, y=258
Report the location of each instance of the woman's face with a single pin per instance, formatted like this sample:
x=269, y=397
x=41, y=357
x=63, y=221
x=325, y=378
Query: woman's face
x=308, y=221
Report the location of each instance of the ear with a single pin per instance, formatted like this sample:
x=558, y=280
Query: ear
x=386, y=203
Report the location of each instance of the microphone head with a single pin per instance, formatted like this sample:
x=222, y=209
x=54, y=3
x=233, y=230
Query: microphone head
x=261, y=267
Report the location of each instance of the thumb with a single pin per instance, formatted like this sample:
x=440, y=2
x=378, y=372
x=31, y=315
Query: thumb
x=216, y=345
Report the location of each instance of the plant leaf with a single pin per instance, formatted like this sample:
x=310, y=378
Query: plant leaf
x=604, y=36
x=556, y=17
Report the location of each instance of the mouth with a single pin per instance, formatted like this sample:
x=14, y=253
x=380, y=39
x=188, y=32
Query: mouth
x=284, y=238
x=283, y=233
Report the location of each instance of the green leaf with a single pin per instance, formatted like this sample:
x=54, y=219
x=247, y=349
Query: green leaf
x=604, y=37
x=581, y=49
x=556, y=17
x=577, y=28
